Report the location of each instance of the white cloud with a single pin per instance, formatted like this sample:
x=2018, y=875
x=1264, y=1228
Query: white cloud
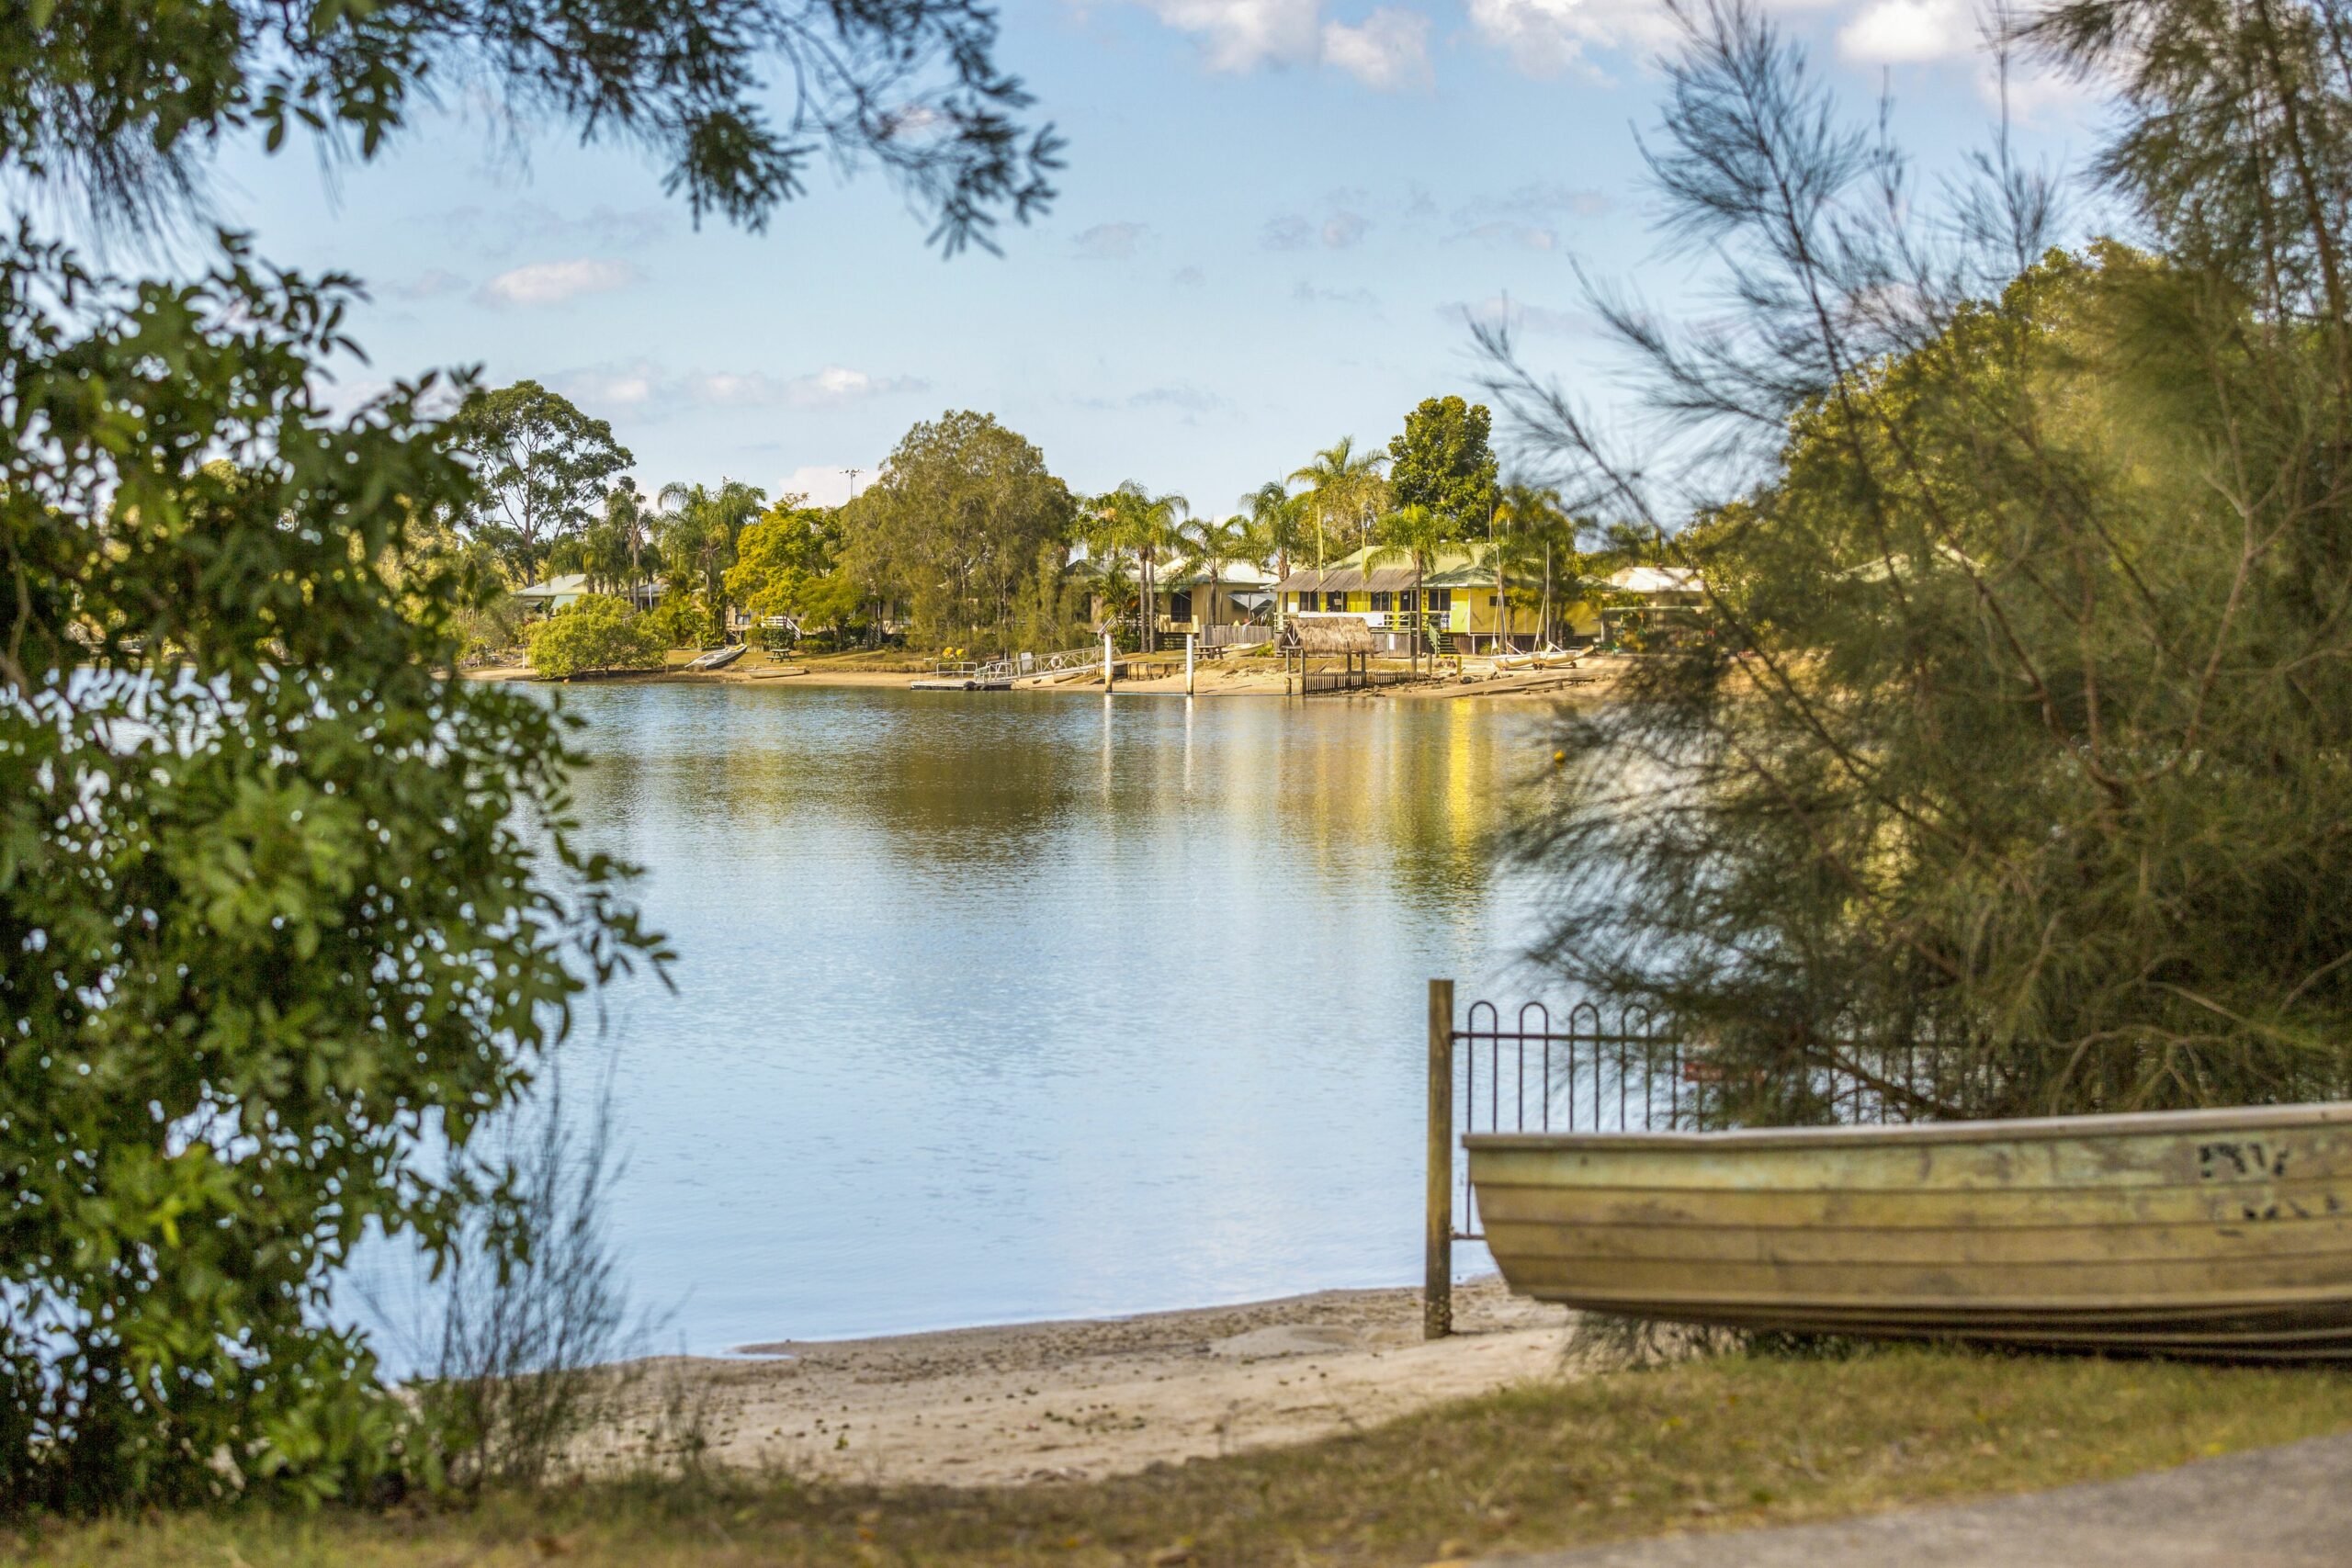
x=641, y=385
x=1241, y=35
x=1112, y=242
x=1905, y=32
x=835, y=385
x=1544, y=38
x=610, y=386
x=1389, y=50
x=556, y=283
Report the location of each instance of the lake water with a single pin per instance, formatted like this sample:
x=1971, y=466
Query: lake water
x=996, y=1007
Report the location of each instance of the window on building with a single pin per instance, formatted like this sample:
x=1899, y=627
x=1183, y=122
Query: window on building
x=1441, y=600
x=1381, y=600
x=1406, y=600
x=1335, y=600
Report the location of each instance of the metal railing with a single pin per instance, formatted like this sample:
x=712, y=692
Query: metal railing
x=1575, y=1070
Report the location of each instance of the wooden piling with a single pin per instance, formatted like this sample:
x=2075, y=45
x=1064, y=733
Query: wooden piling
x=1436, y=1278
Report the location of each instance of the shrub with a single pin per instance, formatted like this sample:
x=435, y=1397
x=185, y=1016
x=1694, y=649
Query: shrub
x=682, y=621
x=596, y=633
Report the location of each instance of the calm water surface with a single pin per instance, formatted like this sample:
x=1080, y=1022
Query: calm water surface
x=996, y=1007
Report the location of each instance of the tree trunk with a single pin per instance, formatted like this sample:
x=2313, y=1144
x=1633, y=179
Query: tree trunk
x=1549, y=639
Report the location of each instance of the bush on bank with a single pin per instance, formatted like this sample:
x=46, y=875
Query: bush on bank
x=598, y=633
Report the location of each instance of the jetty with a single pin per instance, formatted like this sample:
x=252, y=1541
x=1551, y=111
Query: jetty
x=1003, y=674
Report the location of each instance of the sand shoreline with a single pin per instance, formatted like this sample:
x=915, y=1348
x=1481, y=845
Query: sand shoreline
x=1593, y=677
x=1078, y=1399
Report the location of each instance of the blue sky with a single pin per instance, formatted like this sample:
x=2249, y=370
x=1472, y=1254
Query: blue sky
x=1274, y=216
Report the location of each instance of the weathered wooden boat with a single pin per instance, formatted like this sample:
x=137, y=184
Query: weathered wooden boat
x=2199, y=1233
x=718, y=658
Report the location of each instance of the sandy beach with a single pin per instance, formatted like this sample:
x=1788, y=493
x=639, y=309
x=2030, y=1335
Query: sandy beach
x=1590, y=678
x=1060, y=1401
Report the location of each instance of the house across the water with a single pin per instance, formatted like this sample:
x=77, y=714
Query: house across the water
x=1234, y=604
x=541, y=599
x=1457, y=603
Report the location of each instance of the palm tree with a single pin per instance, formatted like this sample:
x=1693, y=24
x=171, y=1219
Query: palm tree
x=1342, y=484
x=625, y=515
x=1214, y=543
x=699, y=528
x=1132, y=520
x=1412, y=534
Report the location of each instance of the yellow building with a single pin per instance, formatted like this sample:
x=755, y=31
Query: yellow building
x=1458, y=601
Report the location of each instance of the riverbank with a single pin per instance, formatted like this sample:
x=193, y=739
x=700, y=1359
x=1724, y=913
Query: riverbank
x=1083, y=1400
x=1591, y=679
x=1548, y=1464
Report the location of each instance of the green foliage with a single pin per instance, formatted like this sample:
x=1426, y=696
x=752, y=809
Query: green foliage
x=698, y=528
x=267, y=894
x=1344, y=494
x=1050, y=617
x=954, y=528
x=285, y=904
x=1444, y=461
x=2016, y=778
x=542, y=465
x=120, y=103
x=595, y=632
x=682, y=620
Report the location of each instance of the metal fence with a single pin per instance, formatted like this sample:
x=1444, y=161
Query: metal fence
x=1576, y=1070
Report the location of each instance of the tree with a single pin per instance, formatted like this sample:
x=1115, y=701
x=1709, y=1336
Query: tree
x=1443, y=461
x=1413, y=534
x=1277, y=523
x=1130, y=520
x=543, y=467
x=1343, y=491
x=2008, y=775
x=123, y=116
x=700, y=530
x=594, y=634
x=1213, y=544
x=288, y=910
x=955, y=527
x=784, y=564
x=1535, y=536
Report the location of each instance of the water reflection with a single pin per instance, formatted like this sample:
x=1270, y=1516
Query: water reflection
x=1018, y=1005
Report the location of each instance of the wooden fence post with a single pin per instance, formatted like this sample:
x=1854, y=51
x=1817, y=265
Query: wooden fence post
x=1437, y=1281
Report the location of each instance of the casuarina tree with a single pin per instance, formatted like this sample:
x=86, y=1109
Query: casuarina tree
x=2004, y=767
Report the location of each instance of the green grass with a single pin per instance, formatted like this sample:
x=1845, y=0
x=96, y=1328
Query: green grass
x=1717, y=1444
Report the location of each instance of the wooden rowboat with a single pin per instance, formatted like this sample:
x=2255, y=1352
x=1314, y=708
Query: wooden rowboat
x=2196, y=1233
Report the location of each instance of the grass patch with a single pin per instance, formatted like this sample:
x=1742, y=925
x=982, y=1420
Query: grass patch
x=1715, y=1444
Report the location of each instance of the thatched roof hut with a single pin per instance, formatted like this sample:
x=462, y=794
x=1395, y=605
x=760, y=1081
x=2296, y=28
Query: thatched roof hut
x=1331, y=635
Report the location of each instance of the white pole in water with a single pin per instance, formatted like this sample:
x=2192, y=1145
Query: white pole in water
x=1107, y=660
x=1188, y=664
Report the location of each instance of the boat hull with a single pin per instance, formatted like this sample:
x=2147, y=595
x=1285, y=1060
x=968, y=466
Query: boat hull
x=2208, y=1233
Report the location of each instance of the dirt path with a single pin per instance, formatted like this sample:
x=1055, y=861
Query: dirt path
x=1083, y=1399
x=2284, y=1508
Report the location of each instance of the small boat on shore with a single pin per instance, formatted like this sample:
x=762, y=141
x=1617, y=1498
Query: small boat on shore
x=2220, y=1233
x=718, y=658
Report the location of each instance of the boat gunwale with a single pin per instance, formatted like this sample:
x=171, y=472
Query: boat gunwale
x=2023, y=1129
